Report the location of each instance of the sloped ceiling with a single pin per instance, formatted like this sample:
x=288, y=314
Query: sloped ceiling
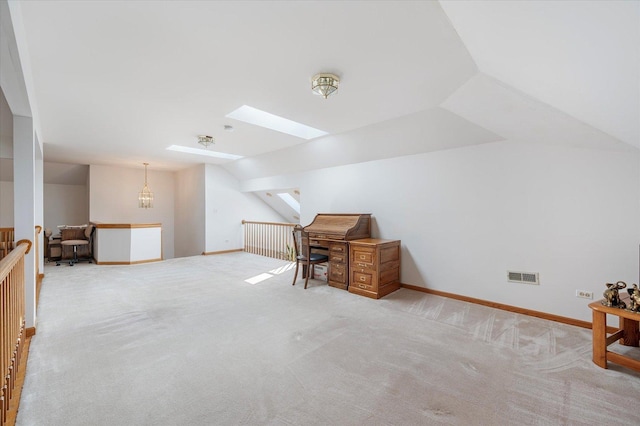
x=290, y=214
x=580, y=57
x=118, y=82
x=11, y=79
x=121, y=81
x=521, y=118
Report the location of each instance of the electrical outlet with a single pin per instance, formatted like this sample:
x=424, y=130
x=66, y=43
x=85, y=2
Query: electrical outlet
x=584, y=294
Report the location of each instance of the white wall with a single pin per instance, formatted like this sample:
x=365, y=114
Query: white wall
x=226, y=207
x=25, y=203
x=468, y=215
x=6, y=204
x=65, y=205
x=190, y=212
x=62, y=205
x=39, y=198
x=113, y=198
x=6, y=163
x=6, y=128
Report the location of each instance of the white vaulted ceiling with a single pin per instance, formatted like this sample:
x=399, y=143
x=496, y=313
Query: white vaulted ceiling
x=580, y=57
x=118, y=82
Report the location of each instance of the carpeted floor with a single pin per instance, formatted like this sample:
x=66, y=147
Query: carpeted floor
x=189, y=341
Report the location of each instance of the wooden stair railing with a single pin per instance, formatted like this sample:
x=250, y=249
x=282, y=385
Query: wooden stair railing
x=12, y=316
x=37, y=243
x=39, y=276
x=271, y=239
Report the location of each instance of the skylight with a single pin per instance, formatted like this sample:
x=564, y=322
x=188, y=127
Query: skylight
x=198, y=151
x=292, y=202
x=270, y=121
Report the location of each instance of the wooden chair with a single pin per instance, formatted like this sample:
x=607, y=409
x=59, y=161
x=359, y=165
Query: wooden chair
x=6, y=241
x=304, y=255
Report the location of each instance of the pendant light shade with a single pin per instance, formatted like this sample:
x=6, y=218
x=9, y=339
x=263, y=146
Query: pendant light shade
x=145, y=197
x=206, y=140
x=325, y=84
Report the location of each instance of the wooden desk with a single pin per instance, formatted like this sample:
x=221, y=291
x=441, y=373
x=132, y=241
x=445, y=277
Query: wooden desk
x=332, y=232
x=338, y=252
x=628, y=334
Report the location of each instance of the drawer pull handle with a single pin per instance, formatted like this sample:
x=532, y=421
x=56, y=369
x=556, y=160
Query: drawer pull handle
x=361, y=278
x=362, y=286
x=362, y=256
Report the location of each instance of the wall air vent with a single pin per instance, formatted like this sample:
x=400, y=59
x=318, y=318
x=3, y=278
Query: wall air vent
x=523, y=277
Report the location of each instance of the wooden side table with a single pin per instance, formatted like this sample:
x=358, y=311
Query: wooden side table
x=628, y=334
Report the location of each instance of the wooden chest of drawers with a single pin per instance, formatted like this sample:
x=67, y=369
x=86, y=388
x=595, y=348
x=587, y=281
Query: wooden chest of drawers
x=338, y=265
x=374, y=268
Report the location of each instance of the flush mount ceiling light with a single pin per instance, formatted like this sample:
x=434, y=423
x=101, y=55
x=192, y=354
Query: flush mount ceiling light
x=325, y=84
x=206, y=140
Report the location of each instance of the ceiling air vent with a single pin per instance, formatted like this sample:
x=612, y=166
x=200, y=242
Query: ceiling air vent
x=523, y=277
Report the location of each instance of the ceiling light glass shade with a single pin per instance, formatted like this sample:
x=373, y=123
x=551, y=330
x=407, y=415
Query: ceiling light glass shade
x=206, y=140
x=145, y=197
x=325, y=84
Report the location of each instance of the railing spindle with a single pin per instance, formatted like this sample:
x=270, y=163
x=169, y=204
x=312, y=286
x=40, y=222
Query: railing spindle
x=271, y=239
x=12, y=314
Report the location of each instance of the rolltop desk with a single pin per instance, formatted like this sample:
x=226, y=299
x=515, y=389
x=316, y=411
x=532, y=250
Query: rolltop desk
x=331, y=233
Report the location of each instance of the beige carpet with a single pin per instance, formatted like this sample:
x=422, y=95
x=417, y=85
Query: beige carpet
x=190, y=342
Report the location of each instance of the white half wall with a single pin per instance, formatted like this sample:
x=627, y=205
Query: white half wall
x=113, y=198
x=466, y=216
x=130, y=245
x=65, y=205
x=112, y=245
x=226, y=207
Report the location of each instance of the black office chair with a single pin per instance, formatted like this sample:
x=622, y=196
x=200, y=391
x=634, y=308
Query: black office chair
x=304, y=255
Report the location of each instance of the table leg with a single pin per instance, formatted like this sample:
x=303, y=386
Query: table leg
x=599, y=329
x=631, y=332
